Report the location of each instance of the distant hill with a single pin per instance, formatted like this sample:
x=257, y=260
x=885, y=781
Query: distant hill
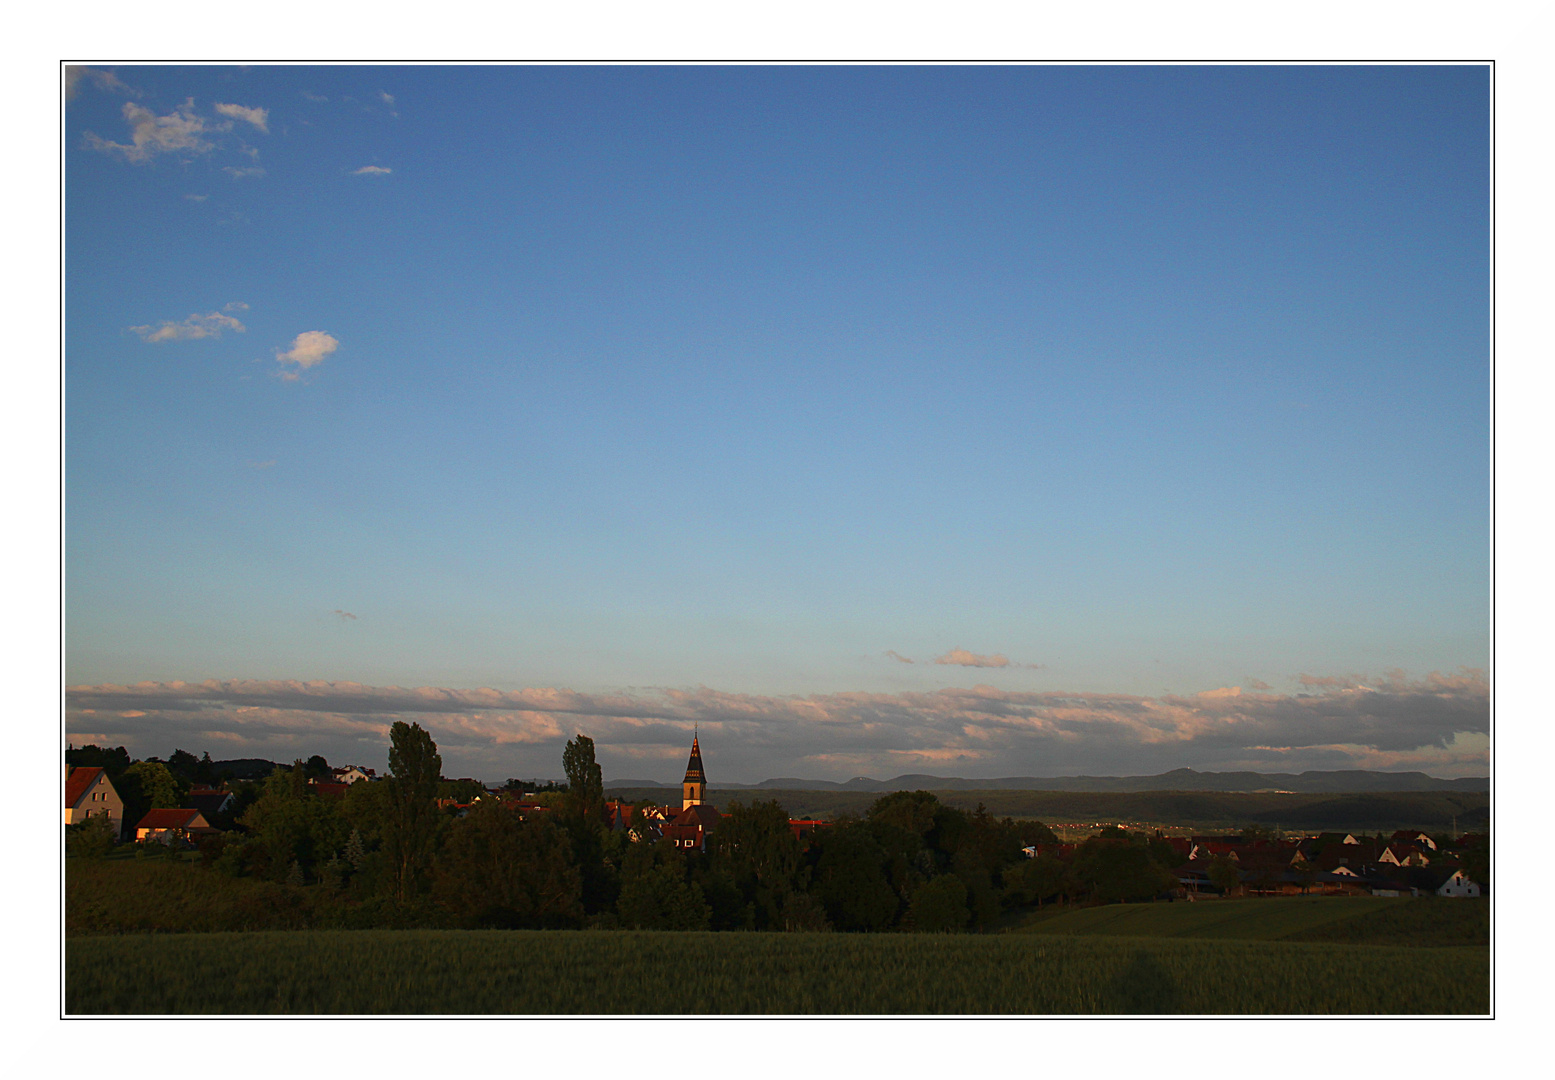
x=1345, y=781
x=1212, y=811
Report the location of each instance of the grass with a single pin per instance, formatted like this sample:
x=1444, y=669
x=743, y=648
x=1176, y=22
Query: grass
x=1360, y=920
x=1428, y=923
x=537, y=972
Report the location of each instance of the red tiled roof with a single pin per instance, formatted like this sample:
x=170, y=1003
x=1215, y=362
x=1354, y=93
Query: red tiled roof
x=164, y=818
x=698, y=815
x=80, y=778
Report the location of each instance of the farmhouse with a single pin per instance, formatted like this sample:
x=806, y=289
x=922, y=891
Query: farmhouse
x=89, y=793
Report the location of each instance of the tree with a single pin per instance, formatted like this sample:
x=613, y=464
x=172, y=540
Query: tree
x=183, y=765
x=585, y=783
x=1114, y=870
x=1035, y=880
x=940, y=906
x=1306, y=874
x=496, y=870
x=290, y=825
x=113, y=761
x=909, y=810
x=1475, y=860
x=851, y=879
x=409, y=832
x=317, y=768
x=655, y=894
x=146, y=785
x=755, y=847
x=90, y=839
x=1223, y=874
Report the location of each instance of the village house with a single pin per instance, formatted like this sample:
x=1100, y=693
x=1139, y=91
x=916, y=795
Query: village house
x=210, y=801
x=89, y=793
x=1458, y=885
x=167, y=826
x=350, y=774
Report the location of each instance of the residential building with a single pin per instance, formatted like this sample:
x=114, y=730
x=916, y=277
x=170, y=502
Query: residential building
x=89, y=793
x=168, y=825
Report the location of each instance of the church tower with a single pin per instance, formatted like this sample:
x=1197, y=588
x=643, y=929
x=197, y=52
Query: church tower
x=694, y=787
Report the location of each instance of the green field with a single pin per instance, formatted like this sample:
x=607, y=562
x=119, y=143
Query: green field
x=1198, y=810
x=538, y=972
x=1361, y=920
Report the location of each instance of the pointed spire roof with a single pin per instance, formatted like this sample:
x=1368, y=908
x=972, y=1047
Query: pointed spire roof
x=694, y=766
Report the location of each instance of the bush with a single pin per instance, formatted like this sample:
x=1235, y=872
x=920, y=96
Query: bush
x=90, y=839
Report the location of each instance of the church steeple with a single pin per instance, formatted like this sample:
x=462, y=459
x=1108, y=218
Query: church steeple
x=694, y=787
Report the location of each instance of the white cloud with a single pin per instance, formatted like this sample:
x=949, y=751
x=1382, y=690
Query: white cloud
x=893, y=654
x=105, y=81
x=178, y=131
x=313, y=97
x=246, y=172
x=308, y=349
x=236, y=305
x=191, y=329
x=388, y=98
x=260, y=118
x=197, y=198
x=372, y=170
x=967, y=659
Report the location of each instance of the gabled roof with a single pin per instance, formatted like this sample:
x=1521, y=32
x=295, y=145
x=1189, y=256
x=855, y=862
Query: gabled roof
x=80, y=779
x=701, y=815
x=694, y=771
x=209, y=802
x=163, y=818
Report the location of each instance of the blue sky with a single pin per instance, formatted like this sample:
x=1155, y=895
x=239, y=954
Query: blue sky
x=651, y=397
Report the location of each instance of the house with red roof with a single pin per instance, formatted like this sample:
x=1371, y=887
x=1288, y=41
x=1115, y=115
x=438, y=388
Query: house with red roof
x=89, y=793
x=168, y=825
x=804, y=828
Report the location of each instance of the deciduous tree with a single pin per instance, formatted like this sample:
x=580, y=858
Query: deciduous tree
x=496, y=870
x=409, y=831
x=939, y=906
x=585, y=784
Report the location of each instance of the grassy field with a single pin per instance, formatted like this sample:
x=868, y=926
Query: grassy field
x=536, y=972
x=1361, y=920
x=1198, y=810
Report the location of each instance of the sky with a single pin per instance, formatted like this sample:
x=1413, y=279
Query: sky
x=975, y=421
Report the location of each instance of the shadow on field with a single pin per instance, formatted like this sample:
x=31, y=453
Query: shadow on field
x=1144, y=986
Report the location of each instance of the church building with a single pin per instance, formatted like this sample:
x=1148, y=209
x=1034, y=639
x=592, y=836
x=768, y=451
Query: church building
x=688, y=829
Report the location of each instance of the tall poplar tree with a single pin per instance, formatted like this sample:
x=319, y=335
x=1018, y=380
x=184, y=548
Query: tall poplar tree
x=415, y=767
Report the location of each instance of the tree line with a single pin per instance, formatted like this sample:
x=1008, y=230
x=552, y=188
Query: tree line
x=388, y=854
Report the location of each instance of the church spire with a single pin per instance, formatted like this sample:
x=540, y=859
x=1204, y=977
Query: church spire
x=694, y=787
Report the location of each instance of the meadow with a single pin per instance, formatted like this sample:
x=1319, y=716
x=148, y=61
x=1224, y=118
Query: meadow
x=560, y=972
x=1358, y=920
